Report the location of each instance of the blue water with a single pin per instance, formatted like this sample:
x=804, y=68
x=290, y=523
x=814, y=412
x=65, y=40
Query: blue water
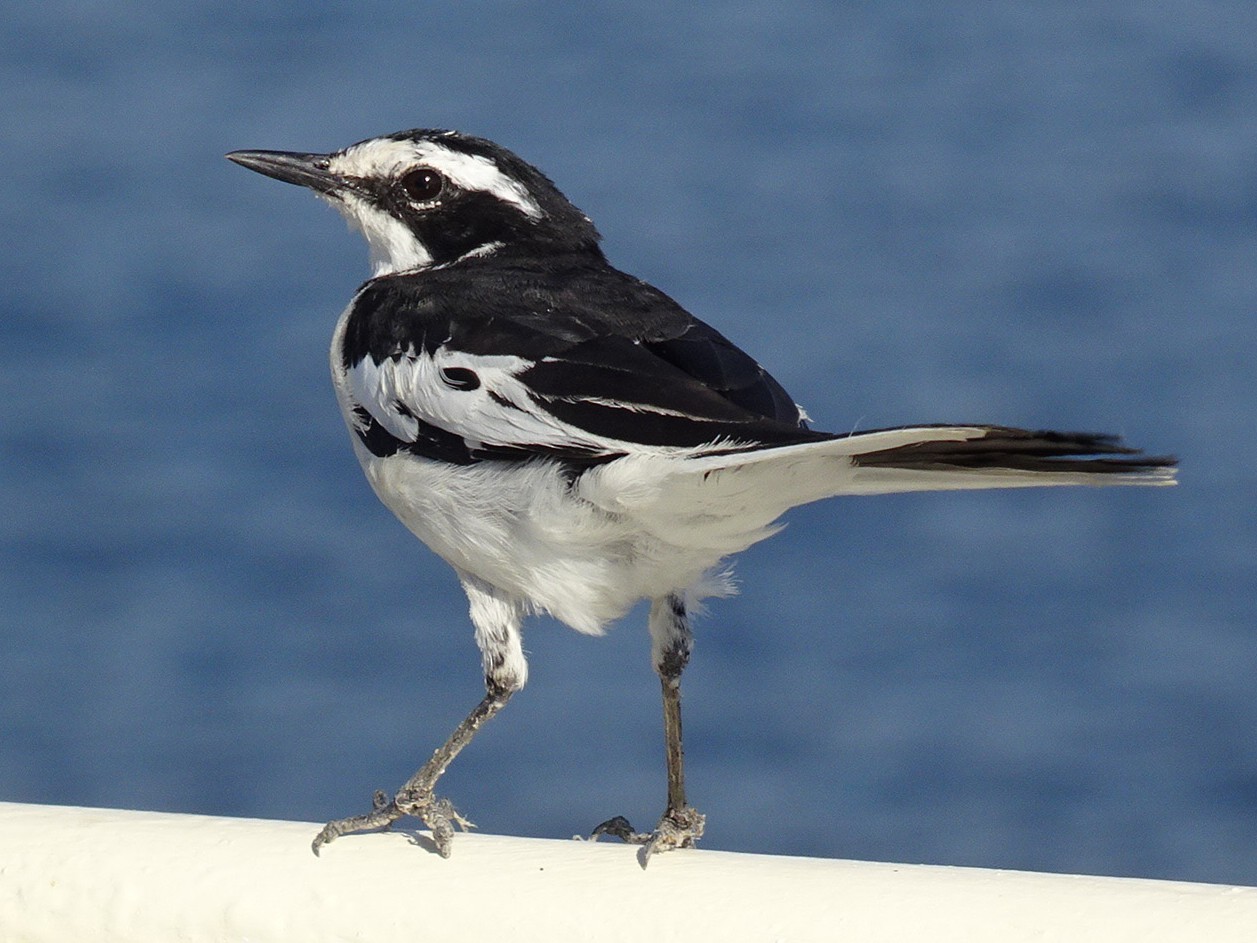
x=1034, y=214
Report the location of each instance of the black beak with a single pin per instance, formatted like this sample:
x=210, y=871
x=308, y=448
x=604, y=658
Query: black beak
x=305, y=170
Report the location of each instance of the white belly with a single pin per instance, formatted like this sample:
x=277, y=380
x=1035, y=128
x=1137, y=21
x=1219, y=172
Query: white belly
x=522, y=529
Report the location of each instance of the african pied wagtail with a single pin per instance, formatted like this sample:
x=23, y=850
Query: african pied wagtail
x=570, y=440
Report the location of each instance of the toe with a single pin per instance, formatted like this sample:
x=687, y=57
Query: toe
x=619, y=827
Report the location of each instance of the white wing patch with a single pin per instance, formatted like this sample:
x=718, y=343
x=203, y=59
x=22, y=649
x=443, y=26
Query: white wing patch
x=500, y=411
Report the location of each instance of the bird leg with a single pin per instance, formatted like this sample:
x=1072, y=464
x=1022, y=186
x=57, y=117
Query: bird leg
x=416, y=796
x=501, y=648
x=682, y=824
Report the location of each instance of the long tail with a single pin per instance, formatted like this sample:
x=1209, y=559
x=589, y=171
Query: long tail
x=734, y=497
x=933, y=458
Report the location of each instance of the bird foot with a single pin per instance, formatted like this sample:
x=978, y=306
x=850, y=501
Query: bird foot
x=679, y=828
x=438, y=814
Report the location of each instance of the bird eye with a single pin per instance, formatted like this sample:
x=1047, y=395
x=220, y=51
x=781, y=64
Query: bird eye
x=423, y=184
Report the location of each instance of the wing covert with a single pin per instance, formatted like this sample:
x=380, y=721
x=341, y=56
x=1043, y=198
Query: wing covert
x=591, y=363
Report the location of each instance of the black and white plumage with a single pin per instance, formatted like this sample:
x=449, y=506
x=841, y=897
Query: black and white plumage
x=570, y=439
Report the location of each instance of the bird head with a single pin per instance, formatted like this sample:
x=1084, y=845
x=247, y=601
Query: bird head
x=426, y=197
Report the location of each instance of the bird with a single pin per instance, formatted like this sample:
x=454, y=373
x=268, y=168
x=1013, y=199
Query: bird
x=571, y=440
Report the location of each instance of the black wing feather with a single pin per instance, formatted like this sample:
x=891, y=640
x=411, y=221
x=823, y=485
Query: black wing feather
x=610, y=353
x=705, y=354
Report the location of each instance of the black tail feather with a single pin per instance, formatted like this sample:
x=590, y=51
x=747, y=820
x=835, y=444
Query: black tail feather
x=1002, y=447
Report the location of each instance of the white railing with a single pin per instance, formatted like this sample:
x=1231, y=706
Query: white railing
x=71, y=875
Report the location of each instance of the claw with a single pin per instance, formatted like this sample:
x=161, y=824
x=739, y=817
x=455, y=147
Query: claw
x=677, y=829
x=442, y=819
x=620, y=828
x=384, y=813
x=438, y=814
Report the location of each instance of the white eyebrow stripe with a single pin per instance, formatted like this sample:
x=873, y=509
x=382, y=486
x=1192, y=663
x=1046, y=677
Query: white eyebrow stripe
x=383, y=158
x=473, y=172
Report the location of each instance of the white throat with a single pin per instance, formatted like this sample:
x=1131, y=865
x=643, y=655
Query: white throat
x=393, y=247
